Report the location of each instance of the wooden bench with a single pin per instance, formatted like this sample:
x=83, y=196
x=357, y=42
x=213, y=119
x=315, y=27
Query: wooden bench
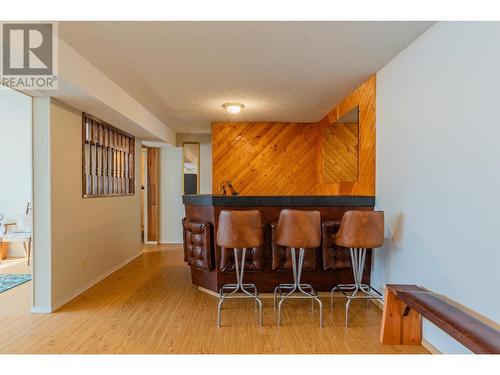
x=406, y=305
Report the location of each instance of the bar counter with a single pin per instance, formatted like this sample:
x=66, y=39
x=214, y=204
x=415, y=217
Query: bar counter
x=269, y=265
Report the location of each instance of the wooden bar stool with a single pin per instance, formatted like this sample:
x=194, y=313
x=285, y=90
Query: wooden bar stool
x=298, y=229
x=359, y=230
x=239, y=230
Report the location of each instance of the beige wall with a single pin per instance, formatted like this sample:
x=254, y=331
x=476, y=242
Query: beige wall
x=90, y=237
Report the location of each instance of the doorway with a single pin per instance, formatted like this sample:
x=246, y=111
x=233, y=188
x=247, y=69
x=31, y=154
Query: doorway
x=16, y=214
x=149, y=195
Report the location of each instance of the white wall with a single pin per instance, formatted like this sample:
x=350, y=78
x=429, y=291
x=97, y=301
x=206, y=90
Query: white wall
x=15, y=157
x=438, y=177
x=42, y=243
x=103, y=233
x=171, y=207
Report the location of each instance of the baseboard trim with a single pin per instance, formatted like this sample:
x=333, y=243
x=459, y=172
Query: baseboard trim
x=430, y=348
x=378, y=303
x=89, y=285
x=208, y=291
x=41, y=310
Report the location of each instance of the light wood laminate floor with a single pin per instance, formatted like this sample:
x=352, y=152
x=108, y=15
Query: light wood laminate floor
x=150, y=306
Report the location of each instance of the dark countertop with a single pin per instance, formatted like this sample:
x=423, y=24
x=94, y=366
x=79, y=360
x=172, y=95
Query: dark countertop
x=279, y=200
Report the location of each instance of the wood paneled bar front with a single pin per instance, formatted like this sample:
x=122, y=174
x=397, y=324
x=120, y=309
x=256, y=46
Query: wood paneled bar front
x=269, y=265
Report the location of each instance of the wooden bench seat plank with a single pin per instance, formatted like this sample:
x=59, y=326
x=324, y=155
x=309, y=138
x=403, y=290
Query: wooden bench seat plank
x=406, y=304
x=459, y=324
x=396, y=288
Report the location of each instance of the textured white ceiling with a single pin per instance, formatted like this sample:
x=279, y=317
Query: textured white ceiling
x=183, y=72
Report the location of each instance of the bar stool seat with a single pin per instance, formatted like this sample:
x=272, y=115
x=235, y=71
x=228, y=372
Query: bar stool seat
x=359, y=230
x=239, y=230
x=298, y=229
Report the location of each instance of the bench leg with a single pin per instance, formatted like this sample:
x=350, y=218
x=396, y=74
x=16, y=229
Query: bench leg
x=400, y=325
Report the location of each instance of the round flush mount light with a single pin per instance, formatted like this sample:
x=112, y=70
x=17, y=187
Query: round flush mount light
x=233, y=107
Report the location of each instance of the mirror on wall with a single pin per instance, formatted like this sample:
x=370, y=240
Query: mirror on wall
x=341, y=149
x=191, y=167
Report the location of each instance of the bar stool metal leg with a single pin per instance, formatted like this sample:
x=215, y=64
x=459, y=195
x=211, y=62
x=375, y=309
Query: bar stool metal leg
x=306, y=290
x=239, y=286
x=358, y=257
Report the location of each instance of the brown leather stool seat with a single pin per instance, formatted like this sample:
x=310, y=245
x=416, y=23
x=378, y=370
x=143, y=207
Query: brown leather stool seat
x=239, y=230
x=281, y=259
x=298, y=229
x=359, y=230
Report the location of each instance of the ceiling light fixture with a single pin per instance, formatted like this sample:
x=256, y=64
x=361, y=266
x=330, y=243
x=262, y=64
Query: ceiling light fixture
x=233, y=107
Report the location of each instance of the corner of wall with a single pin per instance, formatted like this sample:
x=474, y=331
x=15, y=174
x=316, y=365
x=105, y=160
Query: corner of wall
x=42, y=208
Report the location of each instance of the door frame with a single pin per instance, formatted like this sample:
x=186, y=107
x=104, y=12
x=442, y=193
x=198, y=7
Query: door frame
x=151, y=194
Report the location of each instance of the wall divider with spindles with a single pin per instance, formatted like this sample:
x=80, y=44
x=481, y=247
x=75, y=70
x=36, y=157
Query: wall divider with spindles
x=107, y=160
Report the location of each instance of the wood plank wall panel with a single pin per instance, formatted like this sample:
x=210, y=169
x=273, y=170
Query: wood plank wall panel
x=364, y=97
x=288, y=158
x=340, y=156
x=265, y=158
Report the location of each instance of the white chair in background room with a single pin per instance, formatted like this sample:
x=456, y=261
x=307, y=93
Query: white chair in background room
x=19, y=230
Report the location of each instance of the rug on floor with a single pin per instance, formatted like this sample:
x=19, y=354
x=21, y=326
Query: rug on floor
x=10, y=281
